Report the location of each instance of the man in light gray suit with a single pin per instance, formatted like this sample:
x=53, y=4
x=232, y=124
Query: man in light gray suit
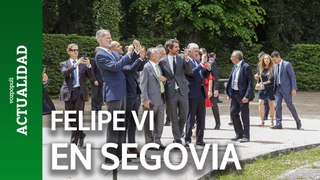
x=285, y=88
x=152, y=90
x=174, y=68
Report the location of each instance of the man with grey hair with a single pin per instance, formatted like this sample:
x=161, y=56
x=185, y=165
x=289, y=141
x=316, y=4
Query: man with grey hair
x=174, y=68
x=152, y=88
x=240, y=90
x=197, y=94
x=110, y=66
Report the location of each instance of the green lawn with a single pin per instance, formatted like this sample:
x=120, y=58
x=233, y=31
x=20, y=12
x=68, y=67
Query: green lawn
x=272, y=167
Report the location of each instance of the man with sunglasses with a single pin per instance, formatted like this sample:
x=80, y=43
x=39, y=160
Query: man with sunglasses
x=74, y=91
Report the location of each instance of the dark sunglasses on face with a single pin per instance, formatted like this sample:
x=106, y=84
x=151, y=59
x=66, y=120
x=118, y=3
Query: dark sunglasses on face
x=74, y=50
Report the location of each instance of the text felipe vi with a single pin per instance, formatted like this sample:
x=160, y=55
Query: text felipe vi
x=104, y=117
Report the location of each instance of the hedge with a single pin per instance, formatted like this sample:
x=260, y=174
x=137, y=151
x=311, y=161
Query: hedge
x=54, y=52
x=304, y=58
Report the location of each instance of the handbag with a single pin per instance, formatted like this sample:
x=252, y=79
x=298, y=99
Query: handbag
x=259, y=86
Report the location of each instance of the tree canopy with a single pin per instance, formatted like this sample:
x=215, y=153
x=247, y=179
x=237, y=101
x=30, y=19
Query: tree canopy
x=218, y=25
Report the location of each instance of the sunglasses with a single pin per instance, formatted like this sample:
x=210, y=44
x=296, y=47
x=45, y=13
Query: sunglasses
x=74, y=50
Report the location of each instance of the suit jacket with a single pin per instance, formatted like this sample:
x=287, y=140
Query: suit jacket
x=67, y=71
x=287, y=77
x=245, y=82
x=131, y=73
x=150, y=85
x=214, y=71
x=196, y=82
x=110, y=66
x=182, y=68
x=96, y=72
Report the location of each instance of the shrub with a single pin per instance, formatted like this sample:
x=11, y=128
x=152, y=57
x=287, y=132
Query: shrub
x=54, y=52
x=305, y=59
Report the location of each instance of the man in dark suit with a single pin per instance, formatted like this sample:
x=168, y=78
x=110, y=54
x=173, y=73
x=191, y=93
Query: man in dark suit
x=196, y=95
x=110, y=66
x=240, y=90
x=174, y=68
x=74, y=91
x=96, y=87
x=133, y=99
x=285, y=88
x=152, y=87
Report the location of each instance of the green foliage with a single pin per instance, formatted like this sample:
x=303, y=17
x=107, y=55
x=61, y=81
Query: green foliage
x=54, y=52
x=305, y=58
x=290, y=22
x=80, y=17
x=107, y=15
x=201, y=21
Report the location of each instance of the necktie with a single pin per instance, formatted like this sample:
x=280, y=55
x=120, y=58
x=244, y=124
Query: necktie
x=278, y=75
x=196, y=64
x=75, y=75
x=174, y=65
x=159, y=74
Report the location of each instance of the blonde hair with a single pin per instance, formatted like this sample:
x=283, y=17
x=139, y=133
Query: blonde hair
x=263, y=65
x=70, y=46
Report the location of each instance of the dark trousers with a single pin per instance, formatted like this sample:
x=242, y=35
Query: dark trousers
x=76, y=102
x=280, y=96
x=197, y=111
x=241, y=126
x=47, y=104
x=115, y=136
x=96, y=96
x=132, y=104
x=178, y=108
x=215, y=110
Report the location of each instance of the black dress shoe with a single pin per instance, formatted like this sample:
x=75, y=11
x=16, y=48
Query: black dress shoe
x=81, y=140
x=244, y=140
x=74, y=139
x=162, y=147
x=230, y=123
x=265, y=118
x=279, y=126
x=236, y=138
x=299, y=124
x=178, y=141
x=217, y=127
x=200, y=143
